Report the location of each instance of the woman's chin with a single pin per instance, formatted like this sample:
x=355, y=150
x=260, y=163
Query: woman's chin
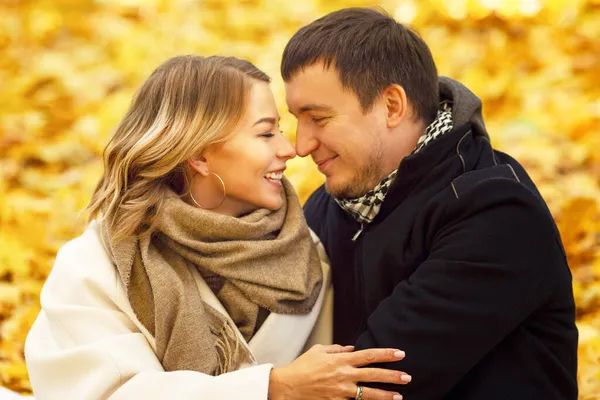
x=273, y=204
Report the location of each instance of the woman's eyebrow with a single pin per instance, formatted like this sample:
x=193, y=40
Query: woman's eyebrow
x=269, y=120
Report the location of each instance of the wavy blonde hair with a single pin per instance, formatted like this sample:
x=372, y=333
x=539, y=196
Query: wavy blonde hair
x=188, y=104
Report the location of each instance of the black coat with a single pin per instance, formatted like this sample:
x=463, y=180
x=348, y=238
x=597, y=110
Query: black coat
x=463, y=268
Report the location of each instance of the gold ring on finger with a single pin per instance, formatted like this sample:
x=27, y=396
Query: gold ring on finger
x=359, y=392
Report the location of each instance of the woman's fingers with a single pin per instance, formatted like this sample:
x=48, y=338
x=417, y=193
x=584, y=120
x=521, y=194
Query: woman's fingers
x=377, y=394
x=336, y=348
x=380, y=375
x=373, y=356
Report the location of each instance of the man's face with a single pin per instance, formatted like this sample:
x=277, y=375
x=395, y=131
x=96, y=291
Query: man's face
x=344, y=142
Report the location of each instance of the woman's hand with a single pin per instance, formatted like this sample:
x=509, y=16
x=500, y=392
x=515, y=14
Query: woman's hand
x=332, y=373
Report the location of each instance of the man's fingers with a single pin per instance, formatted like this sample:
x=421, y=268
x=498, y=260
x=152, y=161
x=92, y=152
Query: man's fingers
x=380, y=375
x=376, y=394
x=373, y=356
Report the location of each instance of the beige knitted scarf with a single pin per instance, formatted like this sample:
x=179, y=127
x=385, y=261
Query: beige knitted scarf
x=265, y=259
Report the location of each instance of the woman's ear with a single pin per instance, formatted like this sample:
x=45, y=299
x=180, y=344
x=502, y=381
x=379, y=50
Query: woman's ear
x=396, y=104
x=199, y=164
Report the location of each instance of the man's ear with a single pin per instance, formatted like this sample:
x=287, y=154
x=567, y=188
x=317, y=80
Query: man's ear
x=396, y=104
x=199, y=164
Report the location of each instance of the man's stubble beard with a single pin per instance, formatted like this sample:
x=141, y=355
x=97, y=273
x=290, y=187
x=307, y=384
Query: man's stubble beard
x=365, y=179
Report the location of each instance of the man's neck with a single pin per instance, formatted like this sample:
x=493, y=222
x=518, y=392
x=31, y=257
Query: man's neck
x=401, y=144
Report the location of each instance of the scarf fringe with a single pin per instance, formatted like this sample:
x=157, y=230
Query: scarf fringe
x=230, y=352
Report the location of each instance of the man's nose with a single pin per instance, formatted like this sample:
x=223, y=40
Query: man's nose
x=306, y=142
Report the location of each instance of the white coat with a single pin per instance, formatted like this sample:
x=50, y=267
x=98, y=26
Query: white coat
x=87, y=343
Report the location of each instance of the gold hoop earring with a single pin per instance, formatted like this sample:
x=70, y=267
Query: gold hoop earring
x=200, y=205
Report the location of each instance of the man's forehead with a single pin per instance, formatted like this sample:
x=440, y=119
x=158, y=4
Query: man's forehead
x=309, y=88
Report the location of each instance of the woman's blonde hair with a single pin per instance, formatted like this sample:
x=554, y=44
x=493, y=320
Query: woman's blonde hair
x=186, y=105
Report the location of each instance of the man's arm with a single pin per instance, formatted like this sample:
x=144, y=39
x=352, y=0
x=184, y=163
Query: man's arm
x=491, y=265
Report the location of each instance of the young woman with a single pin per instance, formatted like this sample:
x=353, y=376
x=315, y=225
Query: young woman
x=197, y=277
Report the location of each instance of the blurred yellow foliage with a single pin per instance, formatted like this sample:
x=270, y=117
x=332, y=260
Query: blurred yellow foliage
x=68, y=70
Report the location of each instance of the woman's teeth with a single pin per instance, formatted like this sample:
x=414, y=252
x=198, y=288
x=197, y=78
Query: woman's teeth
x=274, y=176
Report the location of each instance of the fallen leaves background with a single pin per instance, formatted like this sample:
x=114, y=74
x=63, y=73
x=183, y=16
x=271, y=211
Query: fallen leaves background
x=68, y=70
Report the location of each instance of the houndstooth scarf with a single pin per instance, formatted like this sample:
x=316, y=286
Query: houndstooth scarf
x=365, y=208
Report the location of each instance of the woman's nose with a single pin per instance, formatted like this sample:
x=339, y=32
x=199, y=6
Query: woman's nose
x=286, y=149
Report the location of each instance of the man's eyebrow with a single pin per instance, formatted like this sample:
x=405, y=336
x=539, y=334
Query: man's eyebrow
x=315, y=107
x=269, y=120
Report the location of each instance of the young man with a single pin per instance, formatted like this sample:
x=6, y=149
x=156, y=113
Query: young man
x=439, y=244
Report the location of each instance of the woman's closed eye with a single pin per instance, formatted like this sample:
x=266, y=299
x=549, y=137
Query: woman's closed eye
x=271, y=134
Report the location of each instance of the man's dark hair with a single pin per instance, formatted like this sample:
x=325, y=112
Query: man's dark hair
x=370, y=51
